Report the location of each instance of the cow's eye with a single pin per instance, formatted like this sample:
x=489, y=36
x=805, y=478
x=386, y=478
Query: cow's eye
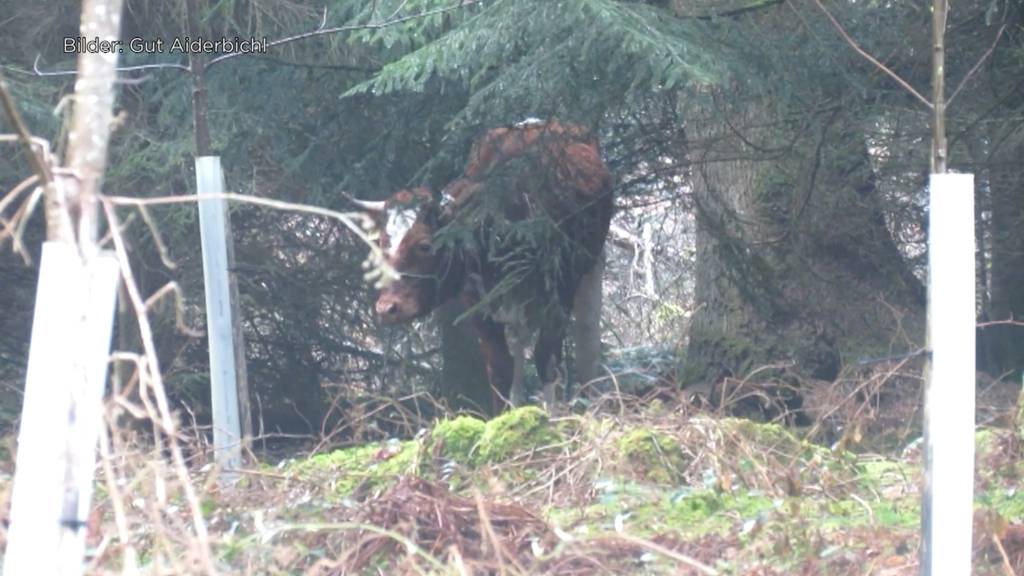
x=423, y=247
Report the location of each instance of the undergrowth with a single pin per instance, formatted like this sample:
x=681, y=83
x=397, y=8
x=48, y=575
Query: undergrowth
x=639, y=490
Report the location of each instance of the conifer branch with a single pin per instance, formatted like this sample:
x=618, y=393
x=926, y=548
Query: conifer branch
x=392, y=20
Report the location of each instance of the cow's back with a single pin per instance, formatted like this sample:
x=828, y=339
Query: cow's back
x=537, y=199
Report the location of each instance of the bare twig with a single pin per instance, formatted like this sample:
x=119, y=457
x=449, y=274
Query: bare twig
x=38, y=165
x=853, y=44
x=179, y=308
x=976, y=66
x=1007, y=567
x=154, y=376
x=58, y=221
x=158, y=66
x=21, y=218
x=410, y=545
x=677, y=556
x=10, y=227
x=397, y=10
x=1007, y=322
x=129, y=555
x=347, y=219
x=161, y=248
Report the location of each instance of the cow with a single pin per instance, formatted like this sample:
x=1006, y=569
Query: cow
x=511, y=237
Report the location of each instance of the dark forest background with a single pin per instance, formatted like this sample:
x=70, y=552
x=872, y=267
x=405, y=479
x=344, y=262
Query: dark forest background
x=771, y=183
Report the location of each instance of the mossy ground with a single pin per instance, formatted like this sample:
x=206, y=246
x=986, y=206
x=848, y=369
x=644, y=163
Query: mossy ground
x=515, y=432
x=358, y=469
x=737, y=496
x=775, y=494
x=459, y=438
x=652, y=455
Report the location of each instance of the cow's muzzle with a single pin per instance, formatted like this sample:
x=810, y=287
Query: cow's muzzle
x=392, y=309
x=387, y=309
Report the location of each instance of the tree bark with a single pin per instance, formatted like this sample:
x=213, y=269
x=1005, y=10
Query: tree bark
x=794, y=260
x=91, y=122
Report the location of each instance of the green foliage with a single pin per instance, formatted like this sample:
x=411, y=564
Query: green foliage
x=1007, y=502
x=418, y=22
x=418, y=92
x=568, y=58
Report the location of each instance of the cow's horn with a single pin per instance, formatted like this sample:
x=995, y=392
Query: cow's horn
x=368, y=205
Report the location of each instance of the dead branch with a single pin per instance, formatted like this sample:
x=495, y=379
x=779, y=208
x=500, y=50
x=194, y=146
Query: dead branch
x=856, y=47
x=379, y=270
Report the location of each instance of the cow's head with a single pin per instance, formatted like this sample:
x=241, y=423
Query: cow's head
x=408, y=220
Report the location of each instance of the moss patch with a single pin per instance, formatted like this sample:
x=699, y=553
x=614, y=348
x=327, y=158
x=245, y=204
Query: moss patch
x=514, y=432
x=848, y=513
x=653, y=456
x=706, y=511
x=1007, y=502
x=458, y=438
x=986, y=441
x=647, y=511
x=882, y=475
x=364, y=468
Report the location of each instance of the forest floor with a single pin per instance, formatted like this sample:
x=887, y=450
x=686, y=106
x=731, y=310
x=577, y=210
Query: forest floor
x=629, y=490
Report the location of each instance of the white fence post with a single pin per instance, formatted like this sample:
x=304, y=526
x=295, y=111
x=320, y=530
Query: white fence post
x=948, y=507
x=227, y=439
x=62, y=413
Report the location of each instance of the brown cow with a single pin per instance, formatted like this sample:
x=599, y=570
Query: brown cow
x=511, y=237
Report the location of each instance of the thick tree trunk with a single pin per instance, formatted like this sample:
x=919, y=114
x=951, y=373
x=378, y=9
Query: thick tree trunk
x=726, y=331
x=794, y=260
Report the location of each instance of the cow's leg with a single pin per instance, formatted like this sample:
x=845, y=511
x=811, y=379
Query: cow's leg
x=547, y=355
x=518, y=394
x=497, y=359
x=519, y=337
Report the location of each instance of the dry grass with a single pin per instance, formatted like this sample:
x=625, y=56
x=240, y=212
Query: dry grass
x=658, y=484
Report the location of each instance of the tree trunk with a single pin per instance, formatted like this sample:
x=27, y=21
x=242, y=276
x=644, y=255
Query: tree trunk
x=724, y=331
x=794, y=260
